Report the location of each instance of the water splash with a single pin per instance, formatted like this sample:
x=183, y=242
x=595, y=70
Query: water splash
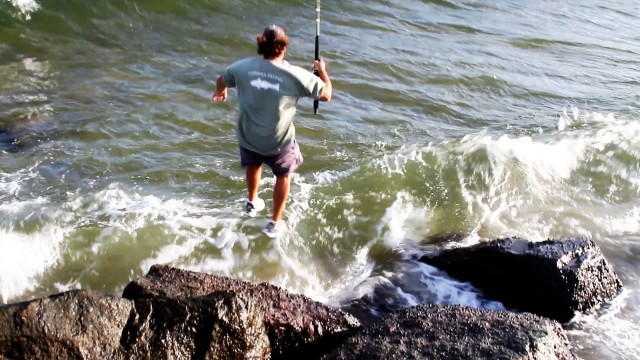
x=609, y=328
x=403, y=221
x=25, y=257
x=26, y=7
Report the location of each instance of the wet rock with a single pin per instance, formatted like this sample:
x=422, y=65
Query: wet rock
x=454, y=332
x=85, y=325
x=73, y=325
x=553, y=278
x=295, y=324
x=221, y=325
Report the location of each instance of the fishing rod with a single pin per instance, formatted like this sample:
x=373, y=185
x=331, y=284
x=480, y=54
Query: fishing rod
x=316, y=103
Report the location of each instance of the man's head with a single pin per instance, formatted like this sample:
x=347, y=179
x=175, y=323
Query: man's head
x=272, y=42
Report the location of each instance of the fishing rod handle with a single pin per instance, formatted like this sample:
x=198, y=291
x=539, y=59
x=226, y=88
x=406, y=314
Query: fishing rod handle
x=316, y=103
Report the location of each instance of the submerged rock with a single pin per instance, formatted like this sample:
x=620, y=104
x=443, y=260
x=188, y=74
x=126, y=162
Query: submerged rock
x=553, y=278
x=438, y=332
x=295, y=324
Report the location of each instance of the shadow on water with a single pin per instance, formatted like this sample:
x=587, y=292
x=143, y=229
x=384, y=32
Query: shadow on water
x=443, y=238
x=15, y=139
x=8, y=141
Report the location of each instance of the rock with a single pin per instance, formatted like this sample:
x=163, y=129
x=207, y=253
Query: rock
x=72, y=325
x=221, y=325
x=295, y=324
x=553, y=278
x=437, y=332
x=85, y=325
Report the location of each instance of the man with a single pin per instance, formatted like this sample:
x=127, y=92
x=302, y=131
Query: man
x=268, y=92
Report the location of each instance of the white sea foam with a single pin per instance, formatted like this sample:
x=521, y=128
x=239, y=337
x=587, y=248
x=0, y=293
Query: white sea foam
x=613, y=329
x=225, y=238
x=575, y=117
x=25, y=257
x=443, y=290
x=415, y=283
x=326, y=178
x=402, y=222
x=353, y=283
x=395, y=163
x=626, y=223
x=10, y=183
x=26, y=7
x=530, y=186
x=188, y=222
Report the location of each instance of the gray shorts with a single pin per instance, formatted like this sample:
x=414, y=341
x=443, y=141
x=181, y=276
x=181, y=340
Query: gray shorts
x=281, y=164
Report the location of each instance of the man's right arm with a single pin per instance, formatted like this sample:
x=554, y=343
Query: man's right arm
x=327, y=91
x=221, y=90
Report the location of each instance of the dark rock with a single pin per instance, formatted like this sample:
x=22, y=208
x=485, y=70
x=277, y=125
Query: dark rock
x=553, y=278
x=85, y=325
x=73, y=325
x=437, y=332
x=221, y=325
x=295, y=324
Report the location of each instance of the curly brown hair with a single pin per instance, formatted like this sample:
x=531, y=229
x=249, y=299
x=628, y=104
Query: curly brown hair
x=272, y=42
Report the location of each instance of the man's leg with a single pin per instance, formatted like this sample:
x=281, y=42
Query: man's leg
x=254, y=173
x=280, y=195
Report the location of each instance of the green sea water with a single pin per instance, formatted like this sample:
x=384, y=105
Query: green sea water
x=452, y=123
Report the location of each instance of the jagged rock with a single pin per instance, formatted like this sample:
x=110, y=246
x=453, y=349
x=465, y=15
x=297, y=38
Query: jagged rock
x=553, y=278
x=438, y=332
x=295, y=324
x=72, y=325
x=82, y=324
x=220, y=325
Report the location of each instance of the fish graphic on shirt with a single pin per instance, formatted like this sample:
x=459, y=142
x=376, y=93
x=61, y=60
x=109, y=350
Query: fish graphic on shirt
x=264, y=84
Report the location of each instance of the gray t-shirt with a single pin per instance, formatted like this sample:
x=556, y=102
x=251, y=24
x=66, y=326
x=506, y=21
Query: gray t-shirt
x=268, y=93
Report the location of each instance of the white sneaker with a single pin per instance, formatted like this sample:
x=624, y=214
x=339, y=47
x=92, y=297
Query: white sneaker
x=274, y=229
x=252, y=207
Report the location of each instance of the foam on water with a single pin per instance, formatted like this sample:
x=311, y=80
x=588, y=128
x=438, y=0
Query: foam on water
x=188, y=221
x=519, y=180
x=123, y=218
x=624, y=222
x=211, y=238
x=402, y=227
x=444, y=290
x=609, y=330
x=402, y=222
x=29, y=243
x=26, y=7
x=25, y=257
x=301, y=272
x=574, y=174
x=528, y=186
x=395, y=163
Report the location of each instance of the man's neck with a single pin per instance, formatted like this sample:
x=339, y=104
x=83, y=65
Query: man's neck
x=279, y=58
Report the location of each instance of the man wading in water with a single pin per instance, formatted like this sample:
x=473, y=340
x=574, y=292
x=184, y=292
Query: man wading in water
x=268, y=92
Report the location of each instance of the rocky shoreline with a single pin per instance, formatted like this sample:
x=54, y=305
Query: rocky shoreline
x=172, y=313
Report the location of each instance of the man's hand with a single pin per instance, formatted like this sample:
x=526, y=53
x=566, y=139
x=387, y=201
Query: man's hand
x=320, y=67
x=221, y=90
x=219, y=95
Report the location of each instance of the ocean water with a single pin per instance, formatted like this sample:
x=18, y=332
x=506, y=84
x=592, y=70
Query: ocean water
x=452, y=123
